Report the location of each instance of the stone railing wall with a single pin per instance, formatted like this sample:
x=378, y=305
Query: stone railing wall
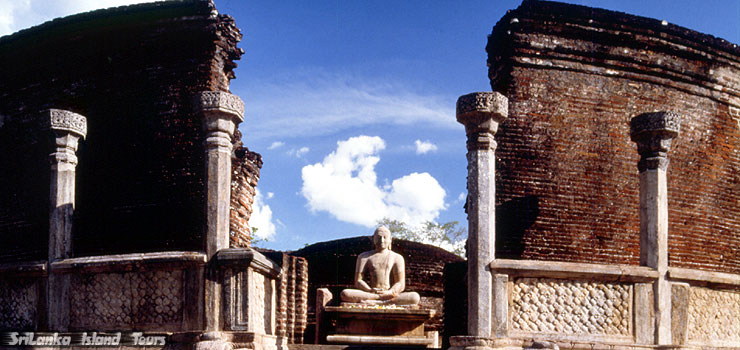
x=21, y=291
x=609, y=306
x=150, y=292
x=251, y=290
x=706, y=308
x=147, y=292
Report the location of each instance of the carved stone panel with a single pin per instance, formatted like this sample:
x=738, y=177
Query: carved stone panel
x=257, y=308
x=125, y=300
x=249, y=301
x=713, y=317
x=540, y=305
x=18, y=303
x=236, y=296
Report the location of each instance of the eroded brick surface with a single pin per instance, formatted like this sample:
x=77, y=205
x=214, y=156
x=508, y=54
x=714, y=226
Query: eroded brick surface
x=132, y=72
x=567, y=180
x=245, y=174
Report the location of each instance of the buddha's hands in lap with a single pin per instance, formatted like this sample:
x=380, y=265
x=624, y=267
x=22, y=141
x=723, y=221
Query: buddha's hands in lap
x=386, y=294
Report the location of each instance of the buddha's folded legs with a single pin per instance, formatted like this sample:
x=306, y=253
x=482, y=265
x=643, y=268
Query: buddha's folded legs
x=350, y=295
x=358, y=296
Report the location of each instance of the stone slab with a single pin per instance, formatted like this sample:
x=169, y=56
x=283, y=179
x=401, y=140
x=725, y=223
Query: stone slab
x=382, y=326
x=708, y=277
x=557, y=269
x=34, y=268
x=129, y=262
x=378, y=340
x=387, y=313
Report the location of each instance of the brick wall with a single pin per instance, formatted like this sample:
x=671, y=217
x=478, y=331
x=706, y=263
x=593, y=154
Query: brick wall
x=245, y=174
x=567, y=181
x=292, y=301
x=132, y=71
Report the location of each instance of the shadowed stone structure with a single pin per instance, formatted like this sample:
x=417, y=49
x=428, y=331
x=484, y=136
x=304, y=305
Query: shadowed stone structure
x=132, y=231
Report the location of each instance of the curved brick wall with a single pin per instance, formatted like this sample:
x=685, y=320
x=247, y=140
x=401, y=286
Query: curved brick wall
x=132, y=71
x=567, y=181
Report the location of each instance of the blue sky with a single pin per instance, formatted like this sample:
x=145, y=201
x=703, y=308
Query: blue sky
x=351, y=103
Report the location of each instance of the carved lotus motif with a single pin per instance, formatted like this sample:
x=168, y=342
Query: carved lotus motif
x=69, y=121
x=220, y=101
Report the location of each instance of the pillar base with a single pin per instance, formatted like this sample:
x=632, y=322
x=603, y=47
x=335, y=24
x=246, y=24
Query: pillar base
x=469, y=342
x=226, y=340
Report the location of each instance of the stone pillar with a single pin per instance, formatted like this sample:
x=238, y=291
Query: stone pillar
x=481, y=114
x=653, y=133
x=221, y=112
x=68, y=128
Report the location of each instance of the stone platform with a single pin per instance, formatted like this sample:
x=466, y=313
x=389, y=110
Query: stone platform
x=380, y=326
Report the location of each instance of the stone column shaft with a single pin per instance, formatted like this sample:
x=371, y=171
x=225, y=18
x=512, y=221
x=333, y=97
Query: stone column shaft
x=221, y=112
x=68, y=128
x=481, y=113
x=653, y=133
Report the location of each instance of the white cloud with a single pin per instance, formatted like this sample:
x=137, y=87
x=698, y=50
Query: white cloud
x=298, y=153
x=262, y=217
x=345, y=185
x=276, y=144
x=462, y=196
x=316, y=103
x=19, y=14
x=423, y=147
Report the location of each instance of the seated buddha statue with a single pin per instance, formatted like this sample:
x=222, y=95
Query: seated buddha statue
x=386, y=270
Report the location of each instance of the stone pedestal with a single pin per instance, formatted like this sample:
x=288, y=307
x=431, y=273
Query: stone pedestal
x=376, y=326
x=68, y=128
x=653, y=133
x=481, y=114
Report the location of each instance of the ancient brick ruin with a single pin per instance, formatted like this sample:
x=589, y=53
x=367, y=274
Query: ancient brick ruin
x=599, y=242
x=574, y=77
x=603, y=188
x=126, y=112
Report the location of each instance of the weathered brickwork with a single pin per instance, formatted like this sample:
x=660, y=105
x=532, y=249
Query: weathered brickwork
x=245, y=174
x=19, y=299
x=132, y=72
x=292, y=298
x=713, y=317
x=142, y=300
x=301, y=300
x=567, y=179
x=571, y=307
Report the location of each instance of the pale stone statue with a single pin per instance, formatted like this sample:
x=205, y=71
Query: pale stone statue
x=384, y=266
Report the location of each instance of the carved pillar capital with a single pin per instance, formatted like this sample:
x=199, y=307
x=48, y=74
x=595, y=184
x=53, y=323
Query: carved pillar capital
x=68, y=128
x=653, y=133
x=219, y=105
x=222, y=112
x=61, y=121
x=481, y=113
